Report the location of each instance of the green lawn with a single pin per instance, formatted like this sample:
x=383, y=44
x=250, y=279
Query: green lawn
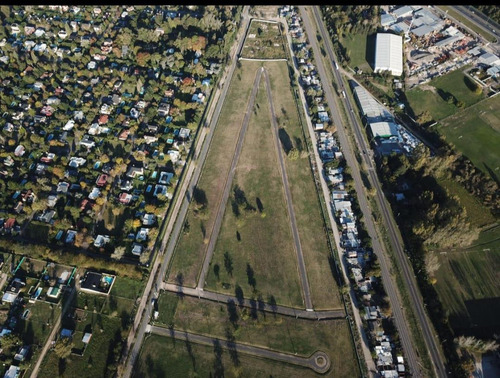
x=431, y=100
x=127, y=288
x=324, y=290
x=191, y=246
x=355, y=44
x=105, y=331
x=280, y=333
x=266, y=241
x=475, y=133
x=164, y=357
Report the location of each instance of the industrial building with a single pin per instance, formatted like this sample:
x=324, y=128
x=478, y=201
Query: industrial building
x=389, y=53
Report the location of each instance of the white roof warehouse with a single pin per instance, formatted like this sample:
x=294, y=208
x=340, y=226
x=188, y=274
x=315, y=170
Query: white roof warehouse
x=389, y=53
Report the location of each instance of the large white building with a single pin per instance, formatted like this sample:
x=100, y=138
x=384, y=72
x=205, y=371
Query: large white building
x=389, y=53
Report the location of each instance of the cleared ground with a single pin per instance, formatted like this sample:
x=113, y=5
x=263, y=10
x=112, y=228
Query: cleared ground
x=280, y=333
x=258, y=240
x=263, y=41
x=162, y=356
x=476, y=133
x=192, y=244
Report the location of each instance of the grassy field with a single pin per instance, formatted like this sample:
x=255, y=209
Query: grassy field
x=324, y=290
x=356, y=46
x=105, y=331
x=280, y=333
x=476, y=133
x=468, y=286
x=421, y=99
x=162, y=356
x=271, y=254
x=263, y=41
x=191, y=247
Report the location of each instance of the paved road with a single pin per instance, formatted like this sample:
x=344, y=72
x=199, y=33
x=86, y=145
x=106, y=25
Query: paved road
x=326, y=195
x=404, y=333
x=291, y=212
x=229, y=181
x=319, y=361
x=259, y=306
x=175, y=225
x=53, y=333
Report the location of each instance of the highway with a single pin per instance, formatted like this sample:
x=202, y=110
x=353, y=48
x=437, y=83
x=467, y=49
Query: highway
x=175, y=225
x=411, y=285
x=318, y=361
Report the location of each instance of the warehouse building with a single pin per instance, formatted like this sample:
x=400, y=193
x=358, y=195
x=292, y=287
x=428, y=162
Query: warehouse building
x=389, y=53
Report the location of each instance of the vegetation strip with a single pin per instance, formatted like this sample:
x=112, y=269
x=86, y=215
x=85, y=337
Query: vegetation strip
x=227, y=186
x=319, y=361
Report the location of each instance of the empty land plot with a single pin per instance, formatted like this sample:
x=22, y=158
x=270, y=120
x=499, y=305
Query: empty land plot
x=263, y=41
x=360, y=56
x=192, y=244
x=162, y=356
x=467, y=285
x=476, y=133
x=253, y=327
x=455, y=83
x=255, y=233
x=324, y=290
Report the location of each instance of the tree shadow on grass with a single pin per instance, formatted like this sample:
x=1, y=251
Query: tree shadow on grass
x=370, y=49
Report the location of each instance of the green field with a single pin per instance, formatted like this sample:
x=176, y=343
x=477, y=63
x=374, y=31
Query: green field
x=162, y=356
x=476, y=133
x=191, y=246
x=469, y=289
x=356, y=46
x=39, y=324
x=265, y=240
x=421, y=99
x=265, y=330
